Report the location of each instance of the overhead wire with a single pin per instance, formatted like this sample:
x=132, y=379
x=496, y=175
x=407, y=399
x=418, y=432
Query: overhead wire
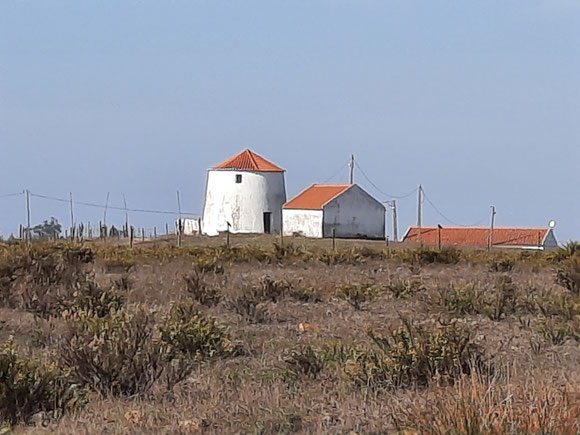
x=8, y=195
x=379, y=189
x=110, y=207
x=446, y=218
x=336, y=173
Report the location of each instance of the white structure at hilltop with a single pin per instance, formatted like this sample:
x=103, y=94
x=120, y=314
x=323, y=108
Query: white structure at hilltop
x=342, y=210
x=245, y=192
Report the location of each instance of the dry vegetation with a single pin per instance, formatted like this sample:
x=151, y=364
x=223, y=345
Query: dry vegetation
x=264, y=338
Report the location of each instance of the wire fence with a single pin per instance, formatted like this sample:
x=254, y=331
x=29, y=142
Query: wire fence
x=180, y=222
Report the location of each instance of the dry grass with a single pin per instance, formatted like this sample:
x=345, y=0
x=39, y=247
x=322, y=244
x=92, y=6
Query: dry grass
x=245, y=366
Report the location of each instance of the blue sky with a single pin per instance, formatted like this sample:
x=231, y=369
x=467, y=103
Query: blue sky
x=478, y=100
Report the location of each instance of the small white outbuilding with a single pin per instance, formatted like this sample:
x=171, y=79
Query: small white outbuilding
x=245, y=192
x=346, y=209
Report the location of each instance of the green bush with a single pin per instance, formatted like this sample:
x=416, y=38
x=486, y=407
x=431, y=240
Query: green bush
x=568, y=275
x=187, y=332
x=357, y=294
x=495, y=303
x=27, y=388
x=116, y=354
x=447, y=255
x=306, y=361
x=405, y=288
x=412, y=356
x=90, y=299
x=197, y=287
x=558, y=331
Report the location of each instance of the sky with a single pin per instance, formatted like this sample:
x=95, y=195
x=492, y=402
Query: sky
x=478, y=101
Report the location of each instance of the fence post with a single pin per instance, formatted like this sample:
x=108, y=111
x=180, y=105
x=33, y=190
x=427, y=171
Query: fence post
x=131, y=237
x=334, y=239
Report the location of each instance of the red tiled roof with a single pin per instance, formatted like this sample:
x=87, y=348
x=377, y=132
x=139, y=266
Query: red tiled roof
x=478, y=236
x=248, y=160
x=316, y=196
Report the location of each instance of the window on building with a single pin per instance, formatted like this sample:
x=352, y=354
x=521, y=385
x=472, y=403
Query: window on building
x=238, y=178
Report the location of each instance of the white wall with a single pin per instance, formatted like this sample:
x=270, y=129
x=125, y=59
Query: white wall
x=191, y=226
x=243, y=204
x=354, y=214
x=305, y=222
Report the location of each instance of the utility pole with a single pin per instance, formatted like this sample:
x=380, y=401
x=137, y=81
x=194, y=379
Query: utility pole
x=28, y=215
x=106, y=207
x=490, y=240
x=351, y=167
x=419, y=211
x=72, y=218
x=127, y=229
x=393, y=205
x=179, y=225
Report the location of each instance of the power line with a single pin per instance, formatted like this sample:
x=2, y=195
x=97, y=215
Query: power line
x=8, y=195
x=446, y=218
x=336, y=173
x=379, y=189
x=88, y=204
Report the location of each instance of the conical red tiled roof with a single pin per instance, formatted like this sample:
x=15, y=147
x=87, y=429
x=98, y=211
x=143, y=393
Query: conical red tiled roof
x=248, y=160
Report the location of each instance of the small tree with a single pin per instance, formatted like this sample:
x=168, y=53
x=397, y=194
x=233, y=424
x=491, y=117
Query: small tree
x=49, y=229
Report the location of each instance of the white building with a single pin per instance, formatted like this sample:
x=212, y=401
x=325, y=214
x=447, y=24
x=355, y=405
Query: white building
x=345, y=208
x=247, y=192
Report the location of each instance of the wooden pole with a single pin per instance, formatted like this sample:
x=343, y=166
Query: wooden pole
x=155, y=232
x=334, y=239
x=106, y=207
x=131, y=237
x=166, y=229
x=126, y=214
x=395, y=221
x=490, y=242
x=228, y=235
x=72, y=217
x=179, y=224
x=419, y=211
x=439, y=227
x=28, y=215
x=351, y=167
x=281, y=230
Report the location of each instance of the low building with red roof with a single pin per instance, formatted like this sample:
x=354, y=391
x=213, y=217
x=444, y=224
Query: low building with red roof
x=504, y=237
x=244, y=194
x=345, y=210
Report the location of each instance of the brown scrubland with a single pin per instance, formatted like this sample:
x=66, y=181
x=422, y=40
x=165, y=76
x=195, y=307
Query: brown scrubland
x=264, y=337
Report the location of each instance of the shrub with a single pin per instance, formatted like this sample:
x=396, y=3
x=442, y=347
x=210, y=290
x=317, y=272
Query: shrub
x=306, y=361
x=188, y=332
x=570, y=249
x=412, y=356
x=503, y=265
x=549, y=304
x=269, y=289
x=88, y=298
x=249, y=307
x=558, y=331
x=568, y=275
x=495, y=303
x=27, y=387
x=198, y=288
x=356, y=294
x=447, y=255
x=490, y=405
x=116, y=354
x=404, y=288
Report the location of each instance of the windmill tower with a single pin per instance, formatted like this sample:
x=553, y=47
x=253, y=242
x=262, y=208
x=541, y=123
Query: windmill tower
x=245, y=192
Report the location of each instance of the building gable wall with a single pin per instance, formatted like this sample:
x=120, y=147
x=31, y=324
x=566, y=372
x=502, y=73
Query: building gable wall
x=354, y=214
